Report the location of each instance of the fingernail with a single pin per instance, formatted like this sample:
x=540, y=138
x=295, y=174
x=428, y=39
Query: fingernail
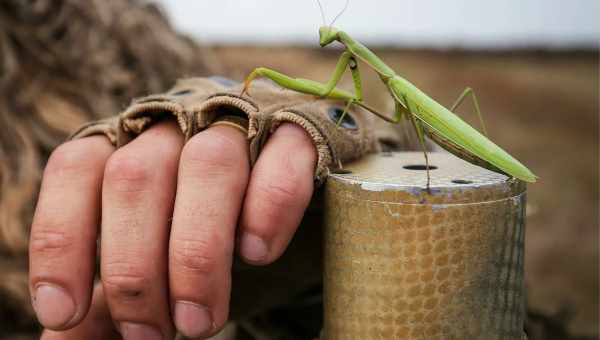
x=53, y=305
x=253, y=248
x=192, y=320
x=138, y=331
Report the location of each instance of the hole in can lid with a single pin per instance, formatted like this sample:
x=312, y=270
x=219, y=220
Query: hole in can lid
x=419, y=167
x=461, y=181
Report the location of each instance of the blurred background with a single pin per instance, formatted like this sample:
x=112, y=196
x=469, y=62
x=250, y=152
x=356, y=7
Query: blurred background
x=469, y=24
x=533, y=64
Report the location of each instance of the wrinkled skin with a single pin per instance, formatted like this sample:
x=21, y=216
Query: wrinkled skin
x=170, y=215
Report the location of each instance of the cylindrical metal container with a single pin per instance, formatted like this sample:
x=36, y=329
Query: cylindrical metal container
x=405, y=263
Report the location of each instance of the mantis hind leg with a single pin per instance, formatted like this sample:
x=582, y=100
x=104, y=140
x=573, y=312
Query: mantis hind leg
x=470, y=92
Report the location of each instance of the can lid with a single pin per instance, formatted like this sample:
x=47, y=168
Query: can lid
x=401, y=177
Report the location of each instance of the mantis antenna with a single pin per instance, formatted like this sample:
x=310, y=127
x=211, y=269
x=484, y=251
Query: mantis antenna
x=322, y=12
x=340, y=13
x=336, y=17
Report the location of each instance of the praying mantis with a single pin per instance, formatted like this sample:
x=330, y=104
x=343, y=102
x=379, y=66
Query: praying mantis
x=428, y=117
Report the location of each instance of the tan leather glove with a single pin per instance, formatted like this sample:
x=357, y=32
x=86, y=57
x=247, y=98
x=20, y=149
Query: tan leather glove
x=196, y=103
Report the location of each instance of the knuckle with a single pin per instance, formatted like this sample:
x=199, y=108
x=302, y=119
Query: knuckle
x=122, y=282
x=213, y=151
x=127, y=172
x=46, y=240
x=73, y=156
x=196, y=256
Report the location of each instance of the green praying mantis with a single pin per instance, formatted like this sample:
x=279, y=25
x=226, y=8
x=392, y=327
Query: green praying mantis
x=427, y=116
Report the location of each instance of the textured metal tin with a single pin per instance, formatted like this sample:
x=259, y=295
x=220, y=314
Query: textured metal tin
x=404, y=263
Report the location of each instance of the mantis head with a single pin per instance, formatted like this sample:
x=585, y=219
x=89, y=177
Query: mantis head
x=327, y=34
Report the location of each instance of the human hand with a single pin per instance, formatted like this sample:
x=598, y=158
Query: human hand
x=165, y=215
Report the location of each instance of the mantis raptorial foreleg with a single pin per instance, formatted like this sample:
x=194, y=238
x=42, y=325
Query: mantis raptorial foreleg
x=308, y=86
x=346, y=60
x=279, y=78
x=353, y=65
x=469, y=91
x=340, y=67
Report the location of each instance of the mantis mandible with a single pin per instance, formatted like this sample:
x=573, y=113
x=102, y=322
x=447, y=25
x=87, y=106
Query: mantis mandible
x=427, y=116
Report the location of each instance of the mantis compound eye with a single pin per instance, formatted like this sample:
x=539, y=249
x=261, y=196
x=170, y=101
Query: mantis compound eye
x=348, y=122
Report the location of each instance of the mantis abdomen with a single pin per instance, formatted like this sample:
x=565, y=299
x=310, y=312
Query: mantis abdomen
x=454, y=134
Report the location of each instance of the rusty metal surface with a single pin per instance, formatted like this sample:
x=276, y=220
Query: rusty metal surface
x=401, y=263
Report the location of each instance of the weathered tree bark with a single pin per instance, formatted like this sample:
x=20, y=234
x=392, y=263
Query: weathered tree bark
x=62, y=63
